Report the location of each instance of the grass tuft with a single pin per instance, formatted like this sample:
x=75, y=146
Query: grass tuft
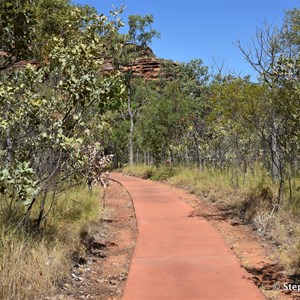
x=33, y=266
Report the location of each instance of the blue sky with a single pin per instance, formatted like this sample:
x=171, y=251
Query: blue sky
x=204, y=29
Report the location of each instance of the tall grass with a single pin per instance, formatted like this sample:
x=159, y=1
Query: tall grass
x=251, y=196
x=150, y=172
x=74, y=209
x=33, y=265
x=31, y=270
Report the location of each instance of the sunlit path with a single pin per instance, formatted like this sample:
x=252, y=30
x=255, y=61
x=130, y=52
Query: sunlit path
x=179, y=256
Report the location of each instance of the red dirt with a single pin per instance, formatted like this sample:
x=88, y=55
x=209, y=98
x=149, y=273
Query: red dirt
x=103, y=272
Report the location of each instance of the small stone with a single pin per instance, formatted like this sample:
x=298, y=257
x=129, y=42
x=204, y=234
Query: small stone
x=113, y=282
x=77, y=278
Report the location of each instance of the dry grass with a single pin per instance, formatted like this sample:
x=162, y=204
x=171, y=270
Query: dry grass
x=33, y=266
x=142, y=171
x=150, y=172
x=31, y=271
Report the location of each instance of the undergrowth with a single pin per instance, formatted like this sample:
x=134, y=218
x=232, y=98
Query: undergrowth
x=251, y=196
x=33, y=265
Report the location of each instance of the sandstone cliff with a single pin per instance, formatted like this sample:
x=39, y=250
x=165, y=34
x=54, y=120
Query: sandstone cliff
x=146, y=66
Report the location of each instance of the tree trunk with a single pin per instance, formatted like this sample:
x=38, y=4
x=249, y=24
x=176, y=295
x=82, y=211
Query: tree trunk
x=8, y=145
x=137, y=156
x=131, y=141
x=131, y=115
x=274, y=151
x=197, y=151
x=42, y=209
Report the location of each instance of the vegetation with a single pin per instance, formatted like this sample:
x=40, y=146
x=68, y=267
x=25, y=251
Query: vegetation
x=242, y=136
x=34, y=265
x=51, y=113
x=53, y=96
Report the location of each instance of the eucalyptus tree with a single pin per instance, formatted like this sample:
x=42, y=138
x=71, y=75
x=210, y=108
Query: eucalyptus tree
x=168, y=119
x=162, y=123
x=139, y=36
x=26, y=27
x=51, y=115
x=275, y=55
x=262, y=57
x=239, y=124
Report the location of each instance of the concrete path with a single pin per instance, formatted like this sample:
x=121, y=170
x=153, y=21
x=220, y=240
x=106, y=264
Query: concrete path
x=179, y=257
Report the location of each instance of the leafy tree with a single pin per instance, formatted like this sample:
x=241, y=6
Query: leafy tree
x=238, y=123
x=167, y=118
x=51, y=117
x=139, y=36
x=275, y=56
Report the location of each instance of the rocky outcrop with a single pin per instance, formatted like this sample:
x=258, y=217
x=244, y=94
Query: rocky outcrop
x=146, y=65
x=146, y=68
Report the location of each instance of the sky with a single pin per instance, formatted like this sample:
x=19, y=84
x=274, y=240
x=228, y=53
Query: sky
x=204, y=29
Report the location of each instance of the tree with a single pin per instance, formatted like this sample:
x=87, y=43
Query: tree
x=139, y=36
x=275, y=56
x=166, y=119
x=51, y=117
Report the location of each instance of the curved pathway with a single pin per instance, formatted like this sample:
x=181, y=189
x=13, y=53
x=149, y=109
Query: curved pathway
x=178, y=256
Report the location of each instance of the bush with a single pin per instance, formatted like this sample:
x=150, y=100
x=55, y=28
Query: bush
x=150, y=172
x=142, y=171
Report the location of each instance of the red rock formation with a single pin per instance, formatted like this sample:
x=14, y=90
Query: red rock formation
x=146, y=66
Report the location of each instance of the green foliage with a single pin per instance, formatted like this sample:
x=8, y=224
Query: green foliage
x=163, y=120
x=137, y=39
x=24, y=257
x=16, y=29
x=143, y=171
x=52, y=113
x=19, y=183
x=140, y=31
x=173, y=107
